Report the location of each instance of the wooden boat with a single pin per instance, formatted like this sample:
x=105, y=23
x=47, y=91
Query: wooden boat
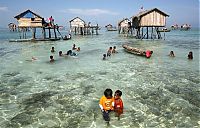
x=164, y=30
x=33, y=40
x=137, y=51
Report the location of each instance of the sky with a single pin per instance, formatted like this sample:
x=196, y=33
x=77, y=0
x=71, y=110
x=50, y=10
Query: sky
x=102, y=12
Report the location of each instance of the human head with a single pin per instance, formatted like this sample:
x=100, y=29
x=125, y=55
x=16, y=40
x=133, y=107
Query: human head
x=51, y=57
x=104, y=55
x=108, y=93
x=190, y=55
x=118, y=94
x=52, y=48
x=60, y=53
x=114, y=47
x=110, y=47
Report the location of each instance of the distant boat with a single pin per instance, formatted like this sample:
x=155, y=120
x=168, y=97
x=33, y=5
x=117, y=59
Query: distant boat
x=185, y=27
x=164, y=30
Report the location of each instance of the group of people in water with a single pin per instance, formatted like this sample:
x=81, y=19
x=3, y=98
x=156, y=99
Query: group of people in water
x=190, y=54
x=110, y=51
x=71, y=52
x=109, y=103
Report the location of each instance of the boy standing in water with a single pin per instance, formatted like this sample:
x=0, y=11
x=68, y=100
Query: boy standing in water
x=118, y=107
x=106, y=104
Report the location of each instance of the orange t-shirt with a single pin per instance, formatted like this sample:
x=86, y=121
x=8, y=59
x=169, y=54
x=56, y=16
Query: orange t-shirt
x=106, y=103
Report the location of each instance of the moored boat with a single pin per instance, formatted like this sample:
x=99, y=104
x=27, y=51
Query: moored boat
x=137, y=51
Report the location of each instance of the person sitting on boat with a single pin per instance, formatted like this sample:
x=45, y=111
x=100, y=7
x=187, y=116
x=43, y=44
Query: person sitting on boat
x=109, y=51
x=171, y=54
x=148, y=53
x=190, y=55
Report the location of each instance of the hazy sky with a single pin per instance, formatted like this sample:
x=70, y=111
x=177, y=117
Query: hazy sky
x=102, y=12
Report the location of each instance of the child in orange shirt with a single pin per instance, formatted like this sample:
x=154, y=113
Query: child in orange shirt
x=118, y=106
x=106, y=104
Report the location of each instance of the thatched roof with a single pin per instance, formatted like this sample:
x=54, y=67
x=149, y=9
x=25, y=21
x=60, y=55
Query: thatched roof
x=139, y=15
x=27, y=14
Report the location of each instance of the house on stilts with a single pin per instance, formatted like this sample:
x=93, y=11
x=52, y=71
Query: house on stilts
x=80, y=27
x=124, y=26
x=147, y=24
x=30, y=20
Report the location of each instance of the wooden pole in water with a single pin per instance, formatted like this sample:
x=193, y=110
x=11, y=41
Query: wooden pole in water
x=55, y=32
x=49, y=33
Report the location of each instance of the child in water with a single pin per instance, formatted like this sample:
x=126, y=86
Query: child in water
x=190, y=55
x=106, y=104
x=51, y=59
x=104, y=56
x=52, y=49
x=109, y=51
x=118, y=107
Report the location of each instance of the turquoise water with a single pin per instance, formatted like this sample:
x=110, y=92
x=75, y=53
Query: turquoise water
x=158, y=92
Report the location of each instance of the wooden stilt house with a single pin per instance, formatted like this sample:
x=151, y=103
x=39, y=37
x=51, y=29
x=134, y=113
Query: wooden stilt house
x=79, y=26
x=147, y=23
x=124, y=26
x=29, y=19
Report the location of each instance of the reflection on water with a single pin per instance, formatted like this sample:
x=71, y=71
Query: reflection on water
x=157, y=92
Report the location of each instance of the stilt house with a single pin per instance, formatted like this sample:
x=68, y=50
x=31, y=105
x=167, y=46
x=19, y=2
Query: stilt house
x=147, y=23
x=124, y=26
x=29, y=19
x=79, y=26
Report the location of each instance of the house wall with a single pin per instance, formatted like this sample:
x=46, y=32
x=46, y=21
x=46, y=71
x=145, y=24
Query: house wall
x=124, y=23
x=153, y=19
x=27, y=22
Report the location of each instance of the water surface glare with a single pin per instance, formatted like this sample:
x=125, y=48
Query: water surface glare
x=160, y=92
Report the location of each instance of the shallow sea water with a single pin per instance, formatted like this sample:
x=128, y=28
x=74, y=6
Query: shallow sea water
x=160, y=92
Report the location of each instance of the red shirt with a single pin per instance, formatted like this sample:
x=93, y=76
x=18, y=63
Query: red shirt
x=118, y=106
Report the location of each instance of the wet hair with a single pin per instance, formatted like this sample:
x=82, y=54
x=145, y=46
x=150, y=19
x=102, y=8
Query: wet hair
x=51, y=57
x=114, y=47
x=110, y=47
x=104, y=55
x=69, y=52
x=108, y=93
x=52, y=47
x=118, y=92
x=60, y=52
x=190, y=55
